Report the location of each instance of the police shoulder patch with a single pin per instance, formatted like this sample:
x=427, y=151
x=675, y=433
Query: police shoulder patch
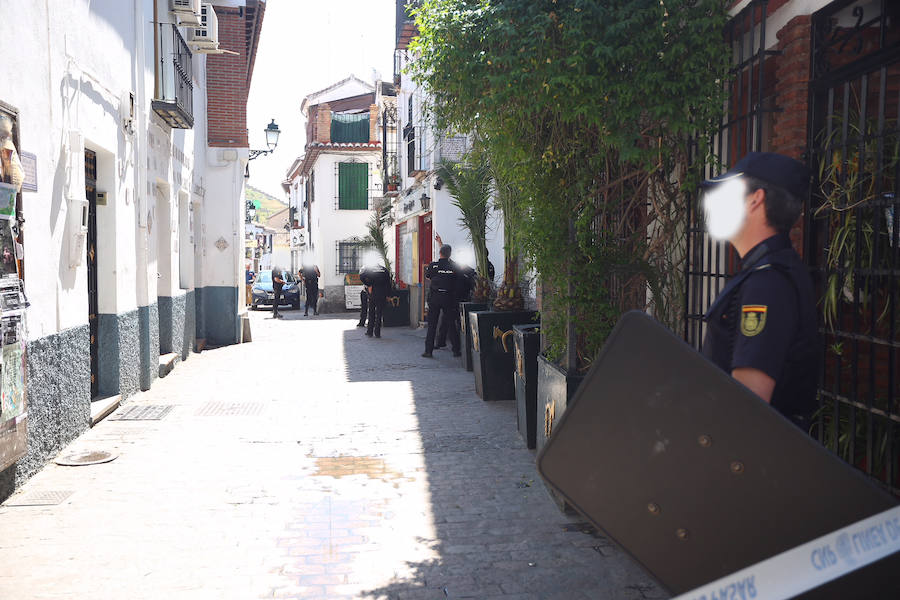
x=753, y=319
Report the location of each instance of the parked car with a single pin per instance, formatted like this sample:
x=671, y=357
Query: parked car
x=264, y=294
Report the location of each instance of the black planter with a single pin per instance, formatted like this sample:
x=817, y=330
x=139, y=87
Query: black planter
x=396, y=309
x=555, y=389
x=493, y=364
x=465, y=333
x=528, y=346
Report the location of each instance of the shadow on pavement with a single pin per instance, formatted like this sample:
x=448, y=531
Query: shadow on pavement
x=496, y=532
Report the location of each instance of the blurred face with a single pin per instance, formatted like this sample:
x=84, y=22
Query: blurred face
x=725, y=209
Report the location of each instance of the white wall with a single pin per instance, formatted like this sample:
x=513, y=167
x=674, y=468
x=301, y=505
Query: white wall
x=72, y=63
x=329, y=223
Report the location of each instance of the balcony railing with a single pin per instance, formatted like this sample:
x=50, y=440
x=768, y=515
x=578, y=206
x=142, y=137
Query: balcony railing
x=175, y=103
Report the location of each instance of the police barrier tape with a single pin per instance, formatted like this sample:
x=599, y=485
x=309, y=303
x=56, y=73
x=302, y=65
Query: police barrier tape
x=808, y=566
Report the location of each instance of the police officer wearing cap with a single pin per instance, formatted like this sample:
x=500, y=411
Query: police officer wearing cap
x=377, y=280
x=443, y=299
x=761, y=329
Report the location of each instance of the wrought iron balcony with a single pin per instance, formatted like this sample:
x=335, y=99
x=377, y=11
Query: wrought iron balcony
x=175, y=101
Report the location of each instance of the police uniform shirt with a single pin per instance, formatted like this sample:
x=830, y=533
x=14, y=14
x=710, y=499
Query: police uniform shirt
x=275, y=285
x=765, y=319
x=377, y=277
x=442, y=274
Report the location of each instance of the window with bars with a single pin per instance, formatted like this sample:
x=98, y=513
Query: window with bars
x=852, y=243
x=349, y=256
x=745, y=128
x=353, y=186
x=350, y=128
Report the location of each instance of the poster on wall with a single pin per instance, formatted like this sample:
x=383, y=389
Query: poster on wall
x=12, y=392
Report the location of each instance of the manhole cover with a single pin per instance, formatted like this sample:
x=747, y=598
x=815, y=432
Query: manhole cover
x=229, y=409
x=87, y=457
x=49, y=498
x=147, y=412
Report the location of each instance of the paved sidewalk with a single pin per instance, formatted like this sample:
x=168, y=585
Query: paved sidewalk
x=311, y=463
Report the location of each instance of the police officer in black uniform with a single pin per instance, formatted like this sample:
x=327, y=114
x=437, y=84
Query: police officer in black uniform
x=444, y=288
x=377, y=280
x=761, y=329
x=277, y=286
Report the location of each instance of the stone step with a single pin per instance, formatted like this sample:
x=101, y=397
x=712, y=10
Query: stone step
x=102, y=408
x=167, y=363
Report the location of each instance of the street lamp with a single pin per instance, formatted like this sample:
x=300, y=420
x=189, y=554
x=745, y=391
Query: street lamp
x=272, y=133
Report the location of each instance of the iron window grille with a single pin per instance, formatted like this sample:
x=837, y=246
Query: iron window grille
x=349, y=255
x=173, y=76
x=744, y=128
x=852, y=230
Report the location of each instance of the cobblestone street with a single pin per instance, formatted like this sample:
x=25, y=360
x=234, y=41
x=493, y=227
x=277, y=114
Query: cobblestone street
x=311, y=463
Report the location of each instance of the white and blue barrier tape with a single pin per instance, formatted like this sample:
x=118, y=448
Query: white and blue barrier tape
x=806, y=567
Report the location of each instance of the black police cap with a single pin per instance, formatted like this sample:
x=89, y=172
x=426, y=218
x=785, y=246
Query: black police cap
x=777, y=169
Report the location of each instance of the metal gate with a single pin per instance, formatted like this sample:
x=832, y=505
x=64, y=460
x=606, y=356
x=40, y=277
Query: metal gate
x=90, y=185
x=852, y=229
x=744, y=129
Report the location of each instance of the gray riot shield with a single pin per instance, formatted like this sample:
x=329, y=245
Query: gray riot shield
x=694, y=475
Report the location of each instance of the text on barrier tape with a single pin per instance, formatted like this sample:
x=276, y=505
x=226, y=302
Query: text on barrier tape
x=808, y=566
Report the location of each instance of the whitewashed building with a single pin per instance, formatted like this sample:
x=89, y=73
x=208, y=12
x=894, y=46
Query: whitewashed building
x=422, y=206
x=335, y=184
x=131, y=214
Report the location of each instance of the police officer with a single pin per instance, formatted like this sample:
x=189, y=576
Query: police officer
x=377, y=280
x=444, y=288
x=277, y=285
x=310, y=276
x=761, y=328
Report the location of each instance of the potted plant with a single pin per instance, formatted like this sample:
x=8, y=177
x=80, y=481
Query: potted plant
x=468, y=183
x=396, y=309
x=595, y=170
x=527, y=348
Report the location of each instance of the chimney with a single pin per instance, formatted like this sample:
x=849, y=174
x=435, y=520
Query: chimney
x=373, y=123
x=323, y=123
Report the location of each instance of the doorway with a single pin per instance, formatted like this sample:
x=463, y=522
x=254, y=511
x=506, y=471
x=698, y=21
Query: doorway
x=90, y=189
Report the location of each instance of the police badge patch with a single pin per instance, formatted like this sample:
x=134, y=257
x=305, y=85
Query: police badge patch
x=753, y=319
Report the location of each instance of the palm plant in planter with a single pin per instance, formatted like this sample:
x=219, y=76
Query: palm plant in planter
x=509, y=202
x=469, y=184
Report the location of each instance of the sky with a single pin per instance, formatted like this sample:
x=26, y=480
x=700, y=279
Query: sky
x=305, y=46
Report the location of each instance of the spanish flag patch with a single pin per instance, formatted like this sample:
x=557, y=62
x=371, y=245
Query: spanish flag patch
x=753, y=319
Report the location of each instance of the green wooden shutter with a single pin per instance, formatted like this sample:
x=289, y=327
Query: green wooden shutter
x=353, y=186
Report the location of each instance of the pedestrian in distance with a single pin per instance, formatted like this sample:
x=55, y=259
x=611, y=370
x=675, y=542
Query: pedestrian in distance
x=761, y=329
x=310, y=276
x=363, y=305
x=443, y=275
x=377, y=280
x=277, y=285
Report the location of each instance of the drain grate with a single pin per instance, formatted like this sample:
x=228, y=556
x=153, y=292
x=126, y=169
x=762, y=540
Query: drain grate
x=146, y=412
x=48, y=498
x=86, y=457
x=229, y=409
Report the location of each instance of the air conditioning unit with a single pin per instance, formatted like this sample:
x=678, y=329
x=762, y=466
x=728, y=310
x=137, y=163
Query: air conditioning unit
x=206, y=37
x=187, y=11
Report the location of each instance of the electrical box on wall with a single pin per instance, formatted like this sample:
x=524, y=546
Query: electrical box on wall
x=78, y=227
x=101, y=198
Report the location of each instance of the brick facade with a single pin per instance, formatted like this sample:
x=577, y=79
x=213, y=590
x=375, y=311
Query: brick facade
x=228, y=77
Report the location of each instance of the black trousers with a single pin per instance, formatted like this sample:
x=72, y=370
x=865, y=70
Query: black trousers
x=312, y=297
x=363, y=306
x=441, y=339
x=277, y=300
x=376, y=311
x=442, y=304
